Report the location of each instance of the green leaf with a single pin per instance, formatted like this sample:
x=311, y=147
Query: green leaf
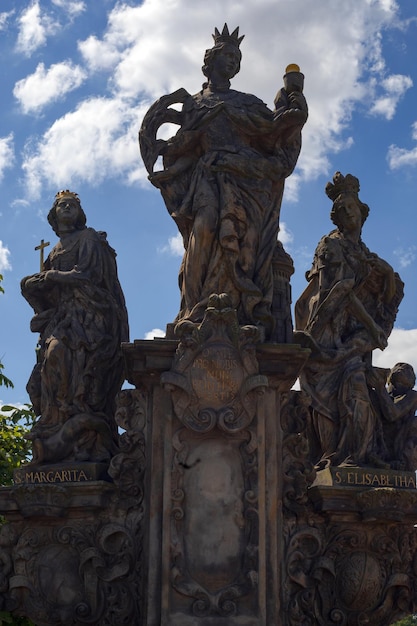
x=15, y=449
x=3, y=379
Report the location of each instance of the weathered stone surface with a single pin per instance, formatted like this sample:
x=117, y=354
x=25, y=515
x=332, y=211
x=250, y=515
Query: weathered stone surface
x=365, y=477
x=348, y=545
x=214, y=487
x=229, y=498
x=60, y=473
x=69, y=554
x=81, y=316
x=395, y=401
x=222, y=182
x=347, y=310
x=212, y=521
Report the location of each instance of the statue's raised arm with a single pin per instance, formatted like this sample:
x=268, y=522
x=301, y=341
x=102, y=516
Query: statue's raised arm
x=223, y=179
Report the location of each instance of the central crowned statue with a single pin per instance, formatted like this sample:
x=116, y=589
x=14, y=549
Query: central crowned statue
x=223, y=180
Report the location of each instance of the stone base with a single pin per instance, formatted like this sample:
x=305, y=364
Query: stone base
x=213, y=517
x=365, y=477
x=214, y=551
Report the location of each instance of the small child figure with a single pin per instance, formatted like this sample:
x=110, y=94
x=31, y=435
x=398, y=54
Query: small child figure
x=398, y=404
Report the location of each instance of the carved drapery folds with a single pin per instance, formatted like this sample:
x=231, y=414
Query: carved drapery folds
x=347, y=310
x=81, y=316
x=222, y=182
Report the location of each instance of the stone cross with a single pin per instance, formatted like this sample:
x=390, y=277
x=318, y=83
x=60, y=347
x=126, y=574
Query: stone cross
x=41, y=247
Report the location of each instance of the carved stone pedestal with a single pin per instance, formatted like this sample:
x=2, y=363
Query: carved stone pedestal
x=212, y=514
x=213, y=546
x=69, y=554
x=351, y=551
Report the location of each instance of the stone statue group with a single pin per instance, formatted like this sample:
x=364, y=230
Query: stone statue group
x=222, y=182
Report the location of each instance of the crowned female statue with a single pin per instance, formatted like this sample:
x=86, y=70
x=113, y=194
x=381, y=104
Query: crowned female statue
x=347, y=310
x=81, y=316
x=222, y=182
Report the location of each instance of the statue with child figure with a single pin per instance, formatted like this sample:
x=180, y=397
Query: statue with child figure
x=347, y=310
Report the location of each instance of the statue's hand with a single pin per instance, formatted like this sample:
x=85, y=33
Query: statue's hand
x=296, y=100
x=52, y=275
x=292, y=117
x=379, y=337
x=32, y=282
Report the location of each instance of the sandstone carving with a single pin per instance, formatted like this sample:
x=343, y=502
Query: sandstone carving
x=222, y=182
x=347, y=310
x=81, y=316
x=213, y=493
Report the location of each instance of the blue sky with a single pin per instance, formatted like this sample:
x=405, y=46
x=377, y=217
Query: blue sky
x=77, y=78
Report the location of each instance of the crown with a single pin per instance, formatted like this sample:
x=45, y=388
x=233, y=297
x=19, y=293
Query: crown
x=342, y=184
x=226, y=37
x=66, y=193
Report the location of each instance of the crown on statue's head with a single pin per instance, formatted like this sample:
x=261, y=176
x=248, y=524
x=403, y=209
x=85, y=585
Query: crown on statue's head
x=226, y=37
x=342, y=185
x=66, y=193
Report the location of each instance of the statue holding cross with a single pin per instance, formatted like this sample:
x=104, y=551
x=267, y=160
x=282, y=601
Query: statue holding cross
x=81, y=316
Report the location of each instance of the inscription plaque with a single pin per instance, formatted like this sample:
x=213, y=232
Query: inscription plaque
x=365, y=477
x=60, y=473
x=216, y=376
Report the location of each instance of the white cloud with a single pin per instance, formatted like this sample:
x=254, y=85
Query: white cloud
x=402, y=348
x=154, y=333
x=73, y=8
x=395, y=87
x=402, y=157
x=34, y=28
x=95, y=141
x=175, y=246
x=45, y=86
x=406, y=256
x=4, y=258
x=6, y=153
x=149, y=50
x=285, y=236
x=99, y=55
x=4, y=16
x=153, y=45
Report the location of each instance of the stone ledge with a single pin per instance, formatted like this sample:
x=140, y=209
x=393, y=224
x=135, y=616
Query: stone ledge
x=369, y=495
x=72, y=499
